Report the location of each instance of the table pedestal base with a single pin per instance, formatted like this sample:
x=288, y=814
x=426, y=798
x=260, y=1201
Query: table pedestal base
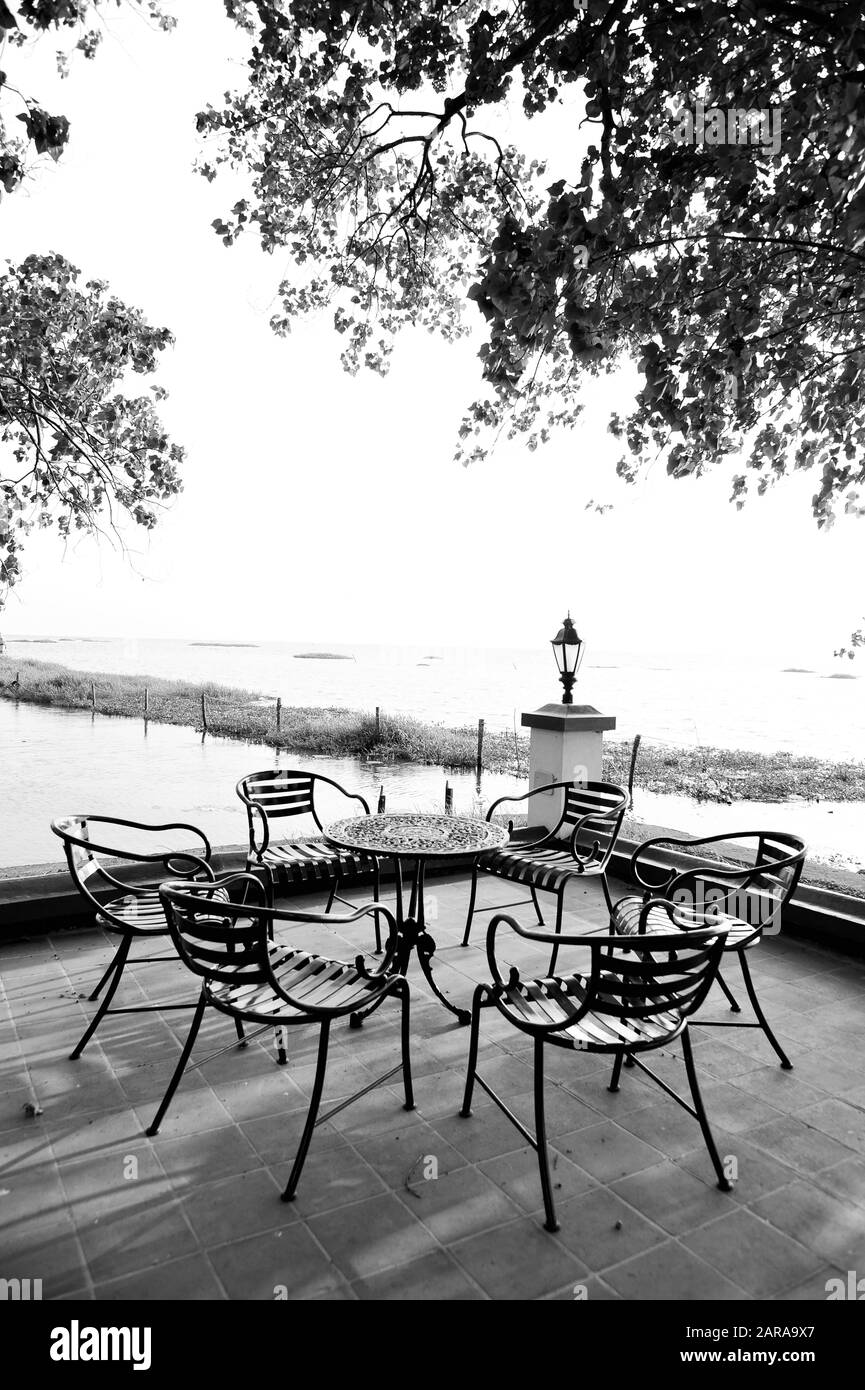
x=413, y=936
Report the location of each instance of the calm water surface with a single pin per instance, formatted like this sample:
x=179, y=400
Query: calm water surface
x=55, y=762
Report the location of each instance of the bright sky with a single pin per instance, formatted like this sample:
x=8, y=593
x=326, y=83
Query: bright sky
x=321, y=507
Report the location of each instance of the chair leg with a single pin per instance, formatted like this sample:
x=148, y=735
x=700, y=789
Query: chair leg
x=606, y=887
x=119, y=963
x=317, y=1088
x=550, y=1224
x=534, y=893
x=731, y=999
x=333, y=888
x=91, y=998
x=241, y=1036
x=558, y=927
x=405, y=1038
x=473, y=892
x=723, y=1182
x=376, y=897
x=474, y=1037
x=617, y=1070
x=761, y=1017
x=181, y=1065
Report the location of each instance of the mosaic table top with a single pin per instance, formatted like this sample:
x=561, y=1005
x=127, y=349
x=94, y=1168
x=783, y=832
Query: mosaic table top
x=417, y=836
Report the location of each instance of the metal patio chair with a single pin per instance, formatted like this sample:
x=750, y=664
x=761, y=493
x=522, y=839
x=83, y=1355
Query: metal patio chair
x=276, y=794
x=745, y=899
x=591, y=817
x=253, y=979
x=633, y=999
x=131, y=911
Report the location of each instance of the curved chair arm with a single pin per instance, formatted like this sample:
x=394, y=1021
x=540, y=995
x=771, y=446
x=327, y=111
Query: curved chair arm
x=593, y=856
x=384, y=967
x=131, y=825
x=256, y=849
x=383, y=970
x=524, y=796
x=230, y=879
x=675, y=912
x=548, y=938
x=685, y=844
x=352, y=796
x=723, y=869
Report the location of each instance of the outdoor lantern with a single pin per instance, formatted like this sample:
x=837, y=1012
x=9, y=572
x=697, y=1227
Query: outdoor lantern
x=568, y=650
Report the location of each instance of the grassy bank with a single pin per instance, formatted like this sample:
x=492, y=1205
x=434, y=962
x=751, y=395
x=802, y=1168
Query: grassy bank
x=714, y=774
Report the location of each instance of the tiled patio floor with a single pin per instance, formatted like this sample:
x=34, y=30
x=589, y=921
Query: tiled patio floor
x=95, y=1209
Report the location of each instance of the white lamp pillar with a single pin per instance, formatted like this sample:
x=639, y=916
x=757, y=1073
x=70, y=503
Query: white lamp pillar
x=565, y=745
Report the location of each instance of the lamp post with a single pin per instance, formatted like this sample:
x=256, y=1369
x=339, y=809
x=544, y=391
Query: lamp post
x=566, y=740
x=568, y=648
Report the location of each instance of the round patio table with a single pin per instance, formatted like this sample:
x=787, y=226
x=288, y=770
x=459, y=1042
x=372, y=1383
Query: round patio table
x=415, y=840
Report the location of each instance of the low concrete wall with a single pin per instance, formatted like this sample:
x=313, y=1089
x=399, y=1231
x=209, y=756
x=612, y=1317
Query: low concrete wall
x=42, y=898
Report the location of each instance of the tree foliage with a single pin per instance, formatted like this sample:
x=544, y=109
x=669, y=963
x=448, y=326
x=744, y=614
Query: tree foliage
x=732, y=273
x=78, y=22
x=76, y=449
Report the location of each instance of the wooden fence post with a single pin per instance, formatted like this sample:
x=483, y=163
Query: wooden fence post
x=634, y=753
x=377, y=723
x=381, y=800
x=203, y=712
x=278, y=713
x=480, y=746
x=92, y=697
x=449, y=799
x=146, y=704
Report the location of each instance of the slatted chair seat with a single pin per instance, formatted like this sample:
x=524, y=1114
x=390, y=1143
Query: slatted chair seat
x=745, y=900
x=625, y=919
x=635, y=999
x=314, y=860
x=142, y=914
x=318, y=982
x=546, y=867
x=555, y=1000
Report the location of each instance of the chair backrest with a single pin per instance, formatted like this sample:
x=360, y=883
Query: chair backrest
x=74, y=831
x=279, y=792
x=224, y=942
x=272, y=794
x=91, y=842
x=757, y=894
x=675, y=973
x=780, y=860
x=606, y=804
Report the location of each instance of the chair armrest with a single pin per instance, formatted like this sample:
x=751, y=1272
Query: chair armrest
x=524, y=796
x=383, y=969
x=231, y=879
x=352, y=796
x=145, y=825
x=594, y=855
x=547, y=937
x=684, y=843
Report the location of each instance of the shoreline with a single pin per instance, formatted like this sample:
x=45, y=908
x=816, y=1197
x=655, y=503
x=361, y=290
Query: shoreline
x=704, y=773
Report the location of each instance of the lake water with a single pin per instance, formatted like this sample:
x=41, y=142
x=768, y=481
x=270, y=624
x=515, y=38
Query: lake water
x=56, y=762
x=677, y=699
